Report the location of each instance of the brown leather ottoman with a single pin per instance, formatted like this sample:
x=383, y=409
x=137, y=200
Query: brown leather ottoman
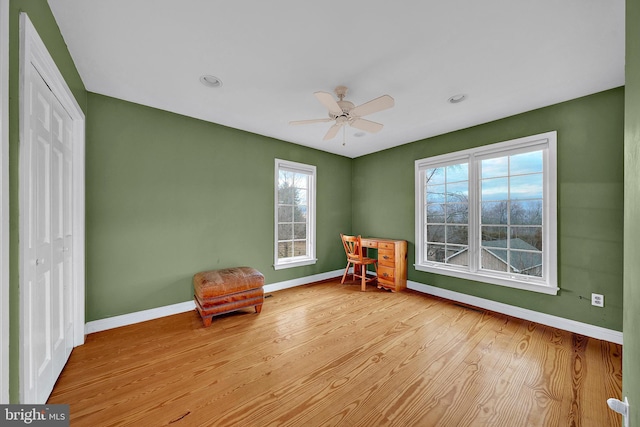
x=229, y=289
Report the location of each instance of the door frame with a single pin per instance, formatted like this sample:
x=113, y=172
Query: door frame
x=4, y=201
x=33, y=52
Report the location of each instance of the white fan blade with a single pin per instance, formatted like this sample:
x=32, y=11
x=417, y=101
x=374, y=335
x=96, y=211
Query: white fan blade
x=333, y=131
x=381, y=103
x=307, y=122
x=329, y=102
x=366, y=125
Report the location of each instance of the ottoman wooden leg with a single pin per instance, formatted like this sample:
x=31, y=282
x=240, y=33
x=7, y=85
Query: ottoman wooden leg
x=258, y=308
x=206, y=321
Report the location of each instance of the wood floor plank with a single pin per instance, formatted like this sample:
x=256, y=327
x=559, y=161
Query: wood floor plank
x=327, y=354
x=386, y=360
x=459, y=393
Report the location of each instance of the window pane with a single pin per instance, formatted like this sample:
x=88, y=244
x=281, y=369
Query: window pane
x=285, y=213
x=526, y=187
x=285, y=249
x=286, y=195
x=434, y=176
x=301, y=180
x=529, y=263
x=494, y=259
x=299, y=248
x=435, y=233
x=459, y=172
x=526, y=212
x=494, y=236
x=458, y=213
x=527, y=238
x=285, y=231
x=495, y=189
x=300, y=197
x=436, y=194
x=300, y=214
x=435, y=253
x=494, y=212
x=458, y=234
x=457, y=255
x=492, y=168
x=285, y=178
x=299, y=231
x=458, y=192
x=526, y=163
x=435, y=213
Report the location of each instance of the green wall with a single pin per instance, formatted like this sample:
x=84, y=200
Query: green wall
x=46, y=26
x=590, y=205
x=631, y=349
x=168, y=196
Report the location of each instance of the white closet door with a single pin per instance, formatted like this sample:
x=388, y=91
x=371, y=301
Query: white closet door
x=61, y=233
x=47, y=338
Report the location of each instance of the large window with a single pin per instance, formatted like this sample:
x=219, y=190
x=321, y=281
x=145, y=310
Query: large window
x=489, y=214
x=294, y=214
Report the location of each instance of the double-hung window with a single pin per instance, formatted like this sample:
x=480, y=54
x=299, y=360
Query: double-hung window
x=489, y=214
x=295, y=185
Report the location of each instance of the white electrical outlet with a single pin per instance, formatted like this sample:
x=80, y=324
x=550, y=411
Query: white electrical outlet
x=597, y=300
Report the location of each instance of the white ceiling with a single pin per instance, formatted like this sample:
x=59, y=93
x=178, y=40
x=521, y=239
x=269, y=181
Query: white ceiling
x=507, y=56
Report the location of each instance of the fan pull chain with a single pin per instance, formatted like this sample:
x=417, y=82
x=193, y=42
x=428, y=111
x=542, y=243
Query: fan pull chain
x=344, y=136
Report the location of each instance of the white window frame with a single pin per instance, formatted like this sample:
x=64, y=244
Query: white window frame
x=310, y=258
x=548, y=283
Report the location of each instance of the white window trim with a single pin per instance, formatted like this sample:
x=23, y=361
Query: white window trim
x=279, y=264
x=548, y=284
x=4, y=202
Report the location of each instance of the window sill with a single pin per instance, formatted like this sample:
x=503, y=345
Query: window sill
x=294, y=263
x=491, y=279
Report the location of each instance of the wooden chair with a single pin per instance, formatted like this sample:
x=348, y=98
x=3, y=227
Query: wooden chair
x=353, y=249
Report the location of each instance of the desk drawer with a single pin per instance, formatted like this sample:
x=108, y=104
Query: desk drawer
x=386, y=245
x=369, y=243
x=386, y=273
x=386, y=257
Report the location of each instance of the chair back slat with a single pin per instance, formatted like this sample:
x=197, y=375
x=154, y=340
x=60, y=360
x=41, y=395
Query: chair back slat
x=352, y=247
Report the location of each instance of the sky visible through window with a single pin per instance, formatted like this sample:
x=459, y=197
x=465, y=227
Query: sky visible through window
x=525, y=171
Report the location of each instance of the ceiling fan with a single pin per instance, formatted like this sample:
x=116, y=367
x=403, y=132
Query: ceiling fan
x=346, y=113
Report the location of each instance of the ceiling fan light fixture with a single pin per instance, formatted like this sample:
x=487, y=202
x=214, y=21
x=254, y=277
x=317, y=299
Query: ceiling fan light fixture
x=455, y=99
x=346, y=113
x=210, y=81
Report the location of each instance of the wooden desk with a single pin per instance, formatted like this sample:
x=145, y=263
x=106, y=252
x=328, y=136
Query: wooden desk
x=392, y=262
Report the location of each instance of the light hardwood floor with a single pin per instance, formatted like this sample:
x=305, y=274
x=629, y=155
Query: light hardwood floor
x=327, y=354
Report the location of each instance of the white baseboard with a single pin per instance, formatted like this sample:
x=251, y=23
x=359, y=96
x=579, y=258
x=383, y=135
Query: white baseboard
x=302, y=281
x=137, y=317
x=521, y=313
x=168, y=310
